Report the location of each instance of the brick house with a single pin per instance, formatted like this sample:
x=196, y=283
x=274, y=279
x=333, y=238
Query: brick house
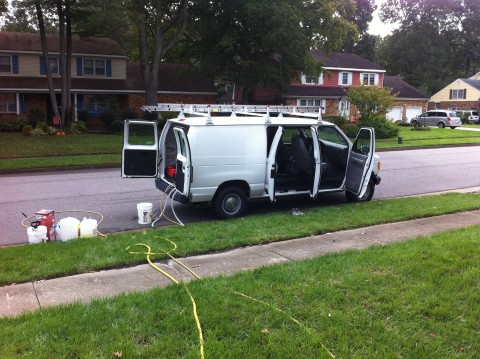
x=100, y=73
x=343, y=71
x=461, y=94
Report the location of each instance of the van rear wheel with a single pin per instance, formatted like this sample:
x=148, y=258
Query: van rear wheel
x=441, y=125
x=230, y=202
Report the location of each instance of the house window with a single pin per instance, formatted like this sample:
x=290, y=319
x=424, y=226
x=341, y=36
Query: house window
x=54, y=67
x=95, y=104
x=94, y=67
x=6, y=64
x=309, y=80
x=369, y=79
x=345, y=78
x=8, y=103
x=458, y=94
x=312, y=102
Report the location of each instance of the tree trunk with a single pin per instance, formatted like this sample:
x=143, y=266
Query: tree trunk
x=150, y=64
x=68, y=70
x=62, y=59
x=48, y=70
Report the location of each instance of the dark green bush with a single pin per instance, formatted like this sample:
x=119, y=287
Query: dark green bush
x=38, y=132
x=108, y=116
x=340, y=121
x=83, y=115
x=116, y=127
x=36, y=114
x=42, y=125
x=6, y=125
x=383, y=127
x=81, y=126
x=27, y=129
x=129, y=114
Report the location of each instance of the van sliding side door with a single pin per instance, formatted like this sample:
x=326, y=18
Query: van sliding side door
x=271, y=168
x=184, y=162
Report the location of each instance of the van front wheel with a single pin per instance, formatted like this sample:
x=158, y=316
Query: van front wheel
x=365, y=198
x=230, y=202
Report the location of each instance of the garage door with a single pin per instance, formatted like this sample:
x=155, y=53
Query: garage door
x=395, y=114
x=412, y=112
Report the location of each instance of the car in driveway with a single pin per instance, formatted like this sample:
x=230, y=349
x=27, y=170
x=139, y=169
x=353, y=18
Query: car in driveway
x=438, y=118
x=469, y=116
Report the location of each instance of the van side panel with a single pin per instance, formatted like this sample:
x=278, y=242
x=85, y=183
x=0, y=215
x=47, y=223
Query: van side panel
x=227, y=153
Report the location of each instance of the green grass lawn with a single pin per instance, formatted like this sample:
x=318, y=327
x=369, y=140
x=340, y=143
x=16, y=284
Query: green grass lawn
x=28, y=152
x=432, y=137
x=416, y=299
x=55, y=259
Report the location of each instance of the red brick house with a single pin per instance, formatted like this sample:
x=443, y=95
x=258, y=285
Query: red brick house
x=100, y=72
x=342, y=71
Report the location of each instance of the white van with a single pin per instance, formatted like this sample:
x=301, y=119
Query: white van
x=226, y=154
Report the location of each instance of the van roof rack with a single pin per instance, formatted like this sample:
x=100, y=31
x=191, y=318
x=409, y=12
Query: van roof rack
x=248, y=110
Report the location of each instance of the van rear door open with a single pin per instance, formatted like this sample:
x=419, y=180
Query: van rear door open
x=184, y=162
x=140, y=149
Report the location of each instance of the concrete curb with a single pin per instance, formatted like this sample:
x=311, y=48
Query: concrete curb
x=28, y=297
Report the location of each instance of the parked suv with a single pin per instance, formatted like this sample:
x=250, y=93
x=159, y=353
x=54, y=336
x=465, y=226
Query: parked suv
x=468, y=116
x=439, y=118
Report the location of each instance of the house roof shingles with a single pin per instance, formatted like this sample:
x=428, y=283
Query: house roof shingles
x=474, y=83
x=404, y=89
x=345, y=60
x=30, y=42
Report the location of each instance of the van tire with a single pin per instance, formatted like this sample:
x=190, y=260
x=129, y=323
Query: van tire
x=365, y=198
x=230, y=202
x=441, y=125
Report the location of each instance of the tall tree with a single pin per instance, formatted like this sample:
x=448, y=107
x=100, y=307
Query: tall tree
x=160, y=24
x=361, y=17
x=46, y=56
x=251, y=43
x=435, y=43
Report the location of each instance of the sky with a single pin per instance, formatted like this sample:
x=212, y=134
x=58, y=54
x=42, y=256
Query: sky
x=376, y=26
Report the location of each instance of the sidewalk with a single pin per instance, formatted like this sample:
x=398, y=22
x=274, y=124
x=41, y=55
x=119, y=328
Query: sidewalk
x=19, y=298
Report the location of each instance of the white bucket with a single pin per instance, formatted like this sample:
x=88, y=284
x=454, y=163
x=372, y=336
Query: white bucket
x=144, y=213
x=88, y=227
x=37, y=235
x=69, y=228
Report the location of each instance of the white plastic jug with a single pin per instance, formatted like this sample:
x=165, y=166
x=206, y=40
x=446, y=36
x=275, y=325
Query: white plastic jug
x=88, y=227
x=37, y=235
x=69, y=228
x=144, y=213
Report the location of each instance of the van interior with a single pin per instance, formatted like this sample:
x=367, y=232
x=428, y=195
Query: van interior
x=295, y=162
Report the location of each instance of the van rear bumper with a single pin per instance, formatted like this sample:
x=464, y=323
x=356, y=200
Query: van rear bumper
x=168, y=188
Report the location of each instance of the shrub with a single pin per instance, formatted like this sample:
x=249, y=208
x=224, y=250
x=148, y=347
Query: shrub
x=36, y=114
x=116, y=127
x=27, y=130
x=37, y=132
x=77, y=128
x=42, y=125
x=6, y=125
x=108, y=116
x=81, y=126
x=83, y=115
x=340, y=121
x=383, y=127
x=129, y=114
